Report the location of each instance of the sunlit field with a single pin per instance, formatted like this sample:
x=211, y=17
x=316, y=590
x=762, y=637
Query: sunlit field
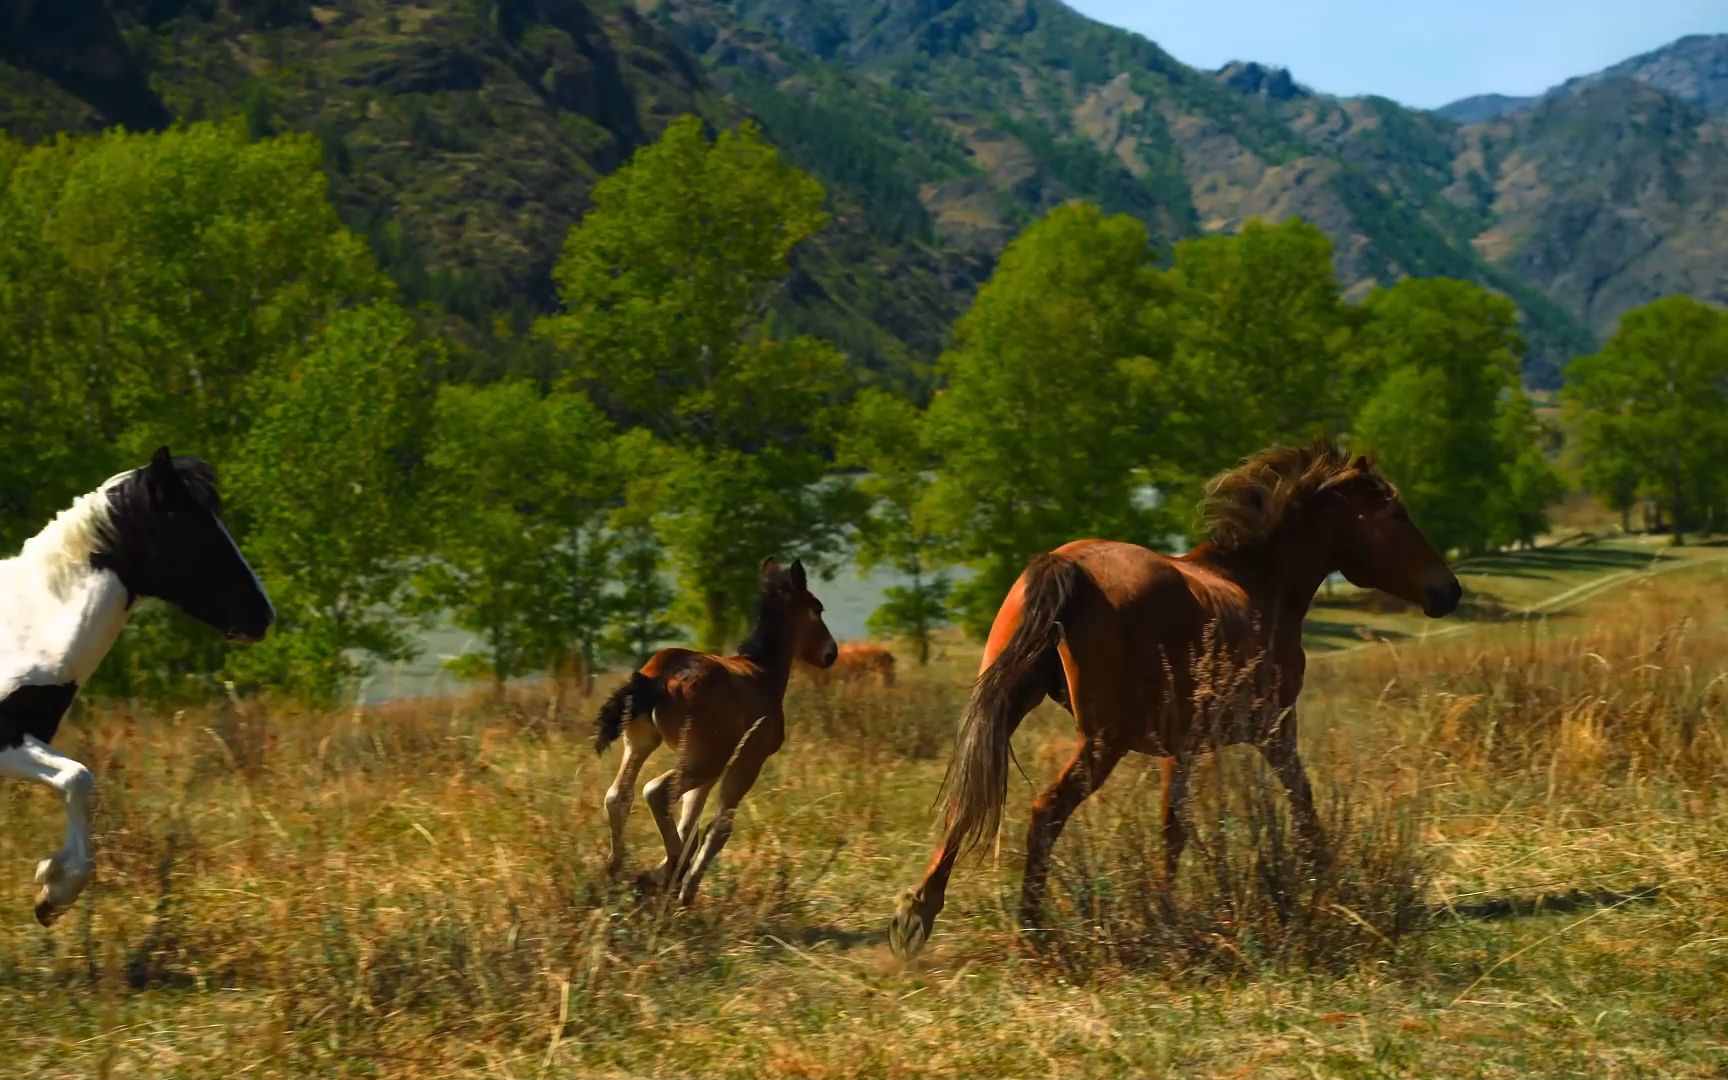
x=1532, y=878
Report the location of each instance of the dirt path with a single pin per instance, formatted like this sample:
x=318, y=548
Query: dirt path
x=1560, y=601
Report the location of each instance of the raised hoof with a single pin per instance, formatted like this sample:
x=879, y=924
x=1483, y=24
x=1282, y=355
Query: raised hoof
x=45, y=913
x=909, y=929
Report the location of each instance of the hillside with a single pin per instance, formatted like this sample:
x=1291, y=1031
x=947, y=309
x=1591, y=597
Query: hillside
x=995, y=110
x=464, y=137
x=1693, y=69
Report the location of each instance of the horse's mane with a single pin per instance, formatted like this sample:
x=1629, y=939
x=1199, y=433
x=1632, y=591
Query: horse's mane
x=93, y=524
x=1247, y=504
x=768, y=633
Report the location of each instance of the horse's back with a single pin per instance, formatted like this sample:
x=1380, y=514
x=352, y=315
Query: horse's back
x=711, y=700
x=1136, y=590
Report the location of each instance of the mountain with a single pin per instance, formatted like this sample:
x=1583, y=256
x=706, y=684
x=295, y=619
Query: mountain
x=1693, y=69
x=1605, y=198
x=988, y=112
x=1478, y=107
x=463, y=137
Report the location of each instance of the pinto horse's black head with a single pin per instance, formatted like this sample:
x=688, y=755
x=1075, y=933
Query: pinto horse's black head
x=164, y=539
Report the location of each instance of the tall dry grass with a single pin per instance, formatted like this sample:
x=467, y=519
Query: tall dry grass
x=417, y=890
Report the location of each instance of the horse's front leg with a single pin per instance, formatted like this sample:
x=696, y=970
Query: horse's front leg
x=1286, y=762
x=62, y=875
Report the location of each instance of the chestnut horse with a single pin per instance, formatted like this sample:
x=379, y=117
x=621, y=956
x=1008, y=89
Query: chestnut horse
x=1135, y=645
x=722, y=715
x=856, y=662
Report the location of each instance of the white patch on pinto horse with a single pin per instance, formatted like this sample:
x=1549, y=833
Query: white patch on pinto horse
x=61, y=615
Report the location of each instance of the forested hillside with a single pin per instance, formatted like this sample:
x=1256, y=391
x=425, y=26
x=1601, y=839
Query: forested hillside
x=462, y=137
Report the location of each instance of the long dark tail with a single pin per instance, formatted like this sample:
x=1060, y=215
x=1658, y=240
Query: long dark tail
x=977, y=780
x=635, y=699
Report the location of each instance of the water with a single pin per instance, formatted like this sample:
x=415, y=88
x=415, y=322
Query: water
x=848, y=598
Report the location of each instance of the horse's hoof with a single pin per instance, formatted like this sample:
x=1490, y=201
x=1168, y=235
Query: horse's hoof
x=45, y=913
x=909, y=929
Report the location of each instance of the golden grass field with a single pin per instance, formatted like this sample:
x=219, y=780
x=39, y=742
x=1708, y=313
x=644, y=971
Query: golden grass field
x=1532, y=879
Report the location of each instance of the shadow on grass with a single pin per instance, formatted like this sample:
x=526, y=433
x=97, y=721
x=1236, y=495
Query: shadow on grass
x=1517, y=907
x=1545, y=562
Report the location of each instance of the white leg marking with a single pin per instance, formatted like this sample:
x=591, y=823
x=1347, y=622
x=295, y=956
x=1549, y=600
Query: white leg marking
x=689, y=809
x=712, y=841
x=618, y=798
x=63, y=875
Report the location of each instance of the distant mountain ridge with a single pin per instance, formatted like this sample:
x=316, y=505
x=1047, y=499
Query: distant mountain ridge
x=1693, y=68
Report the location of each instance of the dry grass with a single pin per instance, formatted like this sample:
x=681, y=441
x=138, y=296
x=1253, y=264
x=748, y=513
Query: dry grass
x=417, y=890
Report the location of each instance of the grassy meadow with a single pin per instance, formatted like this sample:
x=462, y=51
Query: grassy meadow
x=1532, y=878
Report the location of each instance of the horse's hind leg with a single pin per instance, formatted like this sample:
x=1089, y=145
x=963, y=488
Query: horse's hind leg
x=676, y=836
x=1091, y=765
x=640, y=740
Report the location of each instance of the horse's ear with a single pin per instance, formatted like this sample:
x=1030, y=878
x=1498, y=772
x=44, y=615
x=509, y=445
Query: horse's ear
x=769, y=566
x=161, y=471
x=798, y=578
x=1362, y=464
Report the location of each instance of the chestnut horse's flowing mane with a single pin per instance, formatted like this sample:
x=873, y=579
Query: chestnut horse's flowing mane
x=1249, y=503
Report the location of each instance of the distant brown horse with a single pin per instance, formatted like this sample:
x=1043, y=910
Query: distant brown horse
x=856, y=662
x=723, y=717
x=1137, y=645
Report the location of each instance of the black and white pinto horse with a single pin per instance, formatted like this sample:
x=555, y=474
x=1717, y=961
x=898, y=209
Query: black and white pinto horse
x=150, y=532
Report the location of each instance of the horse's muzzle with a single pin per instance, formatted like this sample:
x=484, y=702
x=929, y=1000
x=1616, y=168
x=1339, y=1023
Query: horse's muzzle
x=1442, y=600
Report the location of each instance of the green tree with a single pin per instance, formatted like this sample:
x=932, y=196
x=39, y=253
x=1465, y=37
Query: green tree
x=1445, y=354
x=520, y=488
x=1529, y=483
x=1654, y=403
x=1037, y=434
x=639, y=623
x=143, y=279
x=885, y=437
x=324, y=476
x=1259, y=330
x=666, y=285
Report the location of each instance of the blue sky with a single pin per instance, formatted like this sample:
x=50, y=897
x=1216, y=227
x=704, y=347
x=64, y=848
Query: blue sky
x=1418, y=54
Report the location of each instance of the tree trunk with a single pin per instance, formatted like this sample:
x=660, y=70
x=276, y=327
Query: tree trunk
x=714, y=628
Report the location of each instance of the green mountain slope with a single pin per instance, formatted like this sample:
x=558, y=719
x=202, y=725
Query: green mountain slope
x=996, y=110
x=464, y=136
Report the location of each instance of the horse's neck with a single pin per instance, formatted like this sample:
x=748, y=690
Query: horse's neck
x=1281, y=577
x=57, y=628
x=770, y=674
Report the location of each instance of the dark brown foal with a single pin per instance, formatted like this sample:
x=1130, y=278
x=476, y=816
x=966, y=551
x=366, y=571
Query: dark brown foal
x=723, y=717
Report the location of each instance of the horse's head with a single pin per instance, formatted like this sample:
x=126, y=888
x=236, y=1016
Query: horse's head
x=1376, y=545
x=165, y=539
x=801, y=613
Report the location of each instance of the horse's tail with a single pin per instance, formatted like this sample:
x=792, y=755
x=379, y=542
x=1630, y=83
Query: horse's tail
x=632, y=701
x=977, y=780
